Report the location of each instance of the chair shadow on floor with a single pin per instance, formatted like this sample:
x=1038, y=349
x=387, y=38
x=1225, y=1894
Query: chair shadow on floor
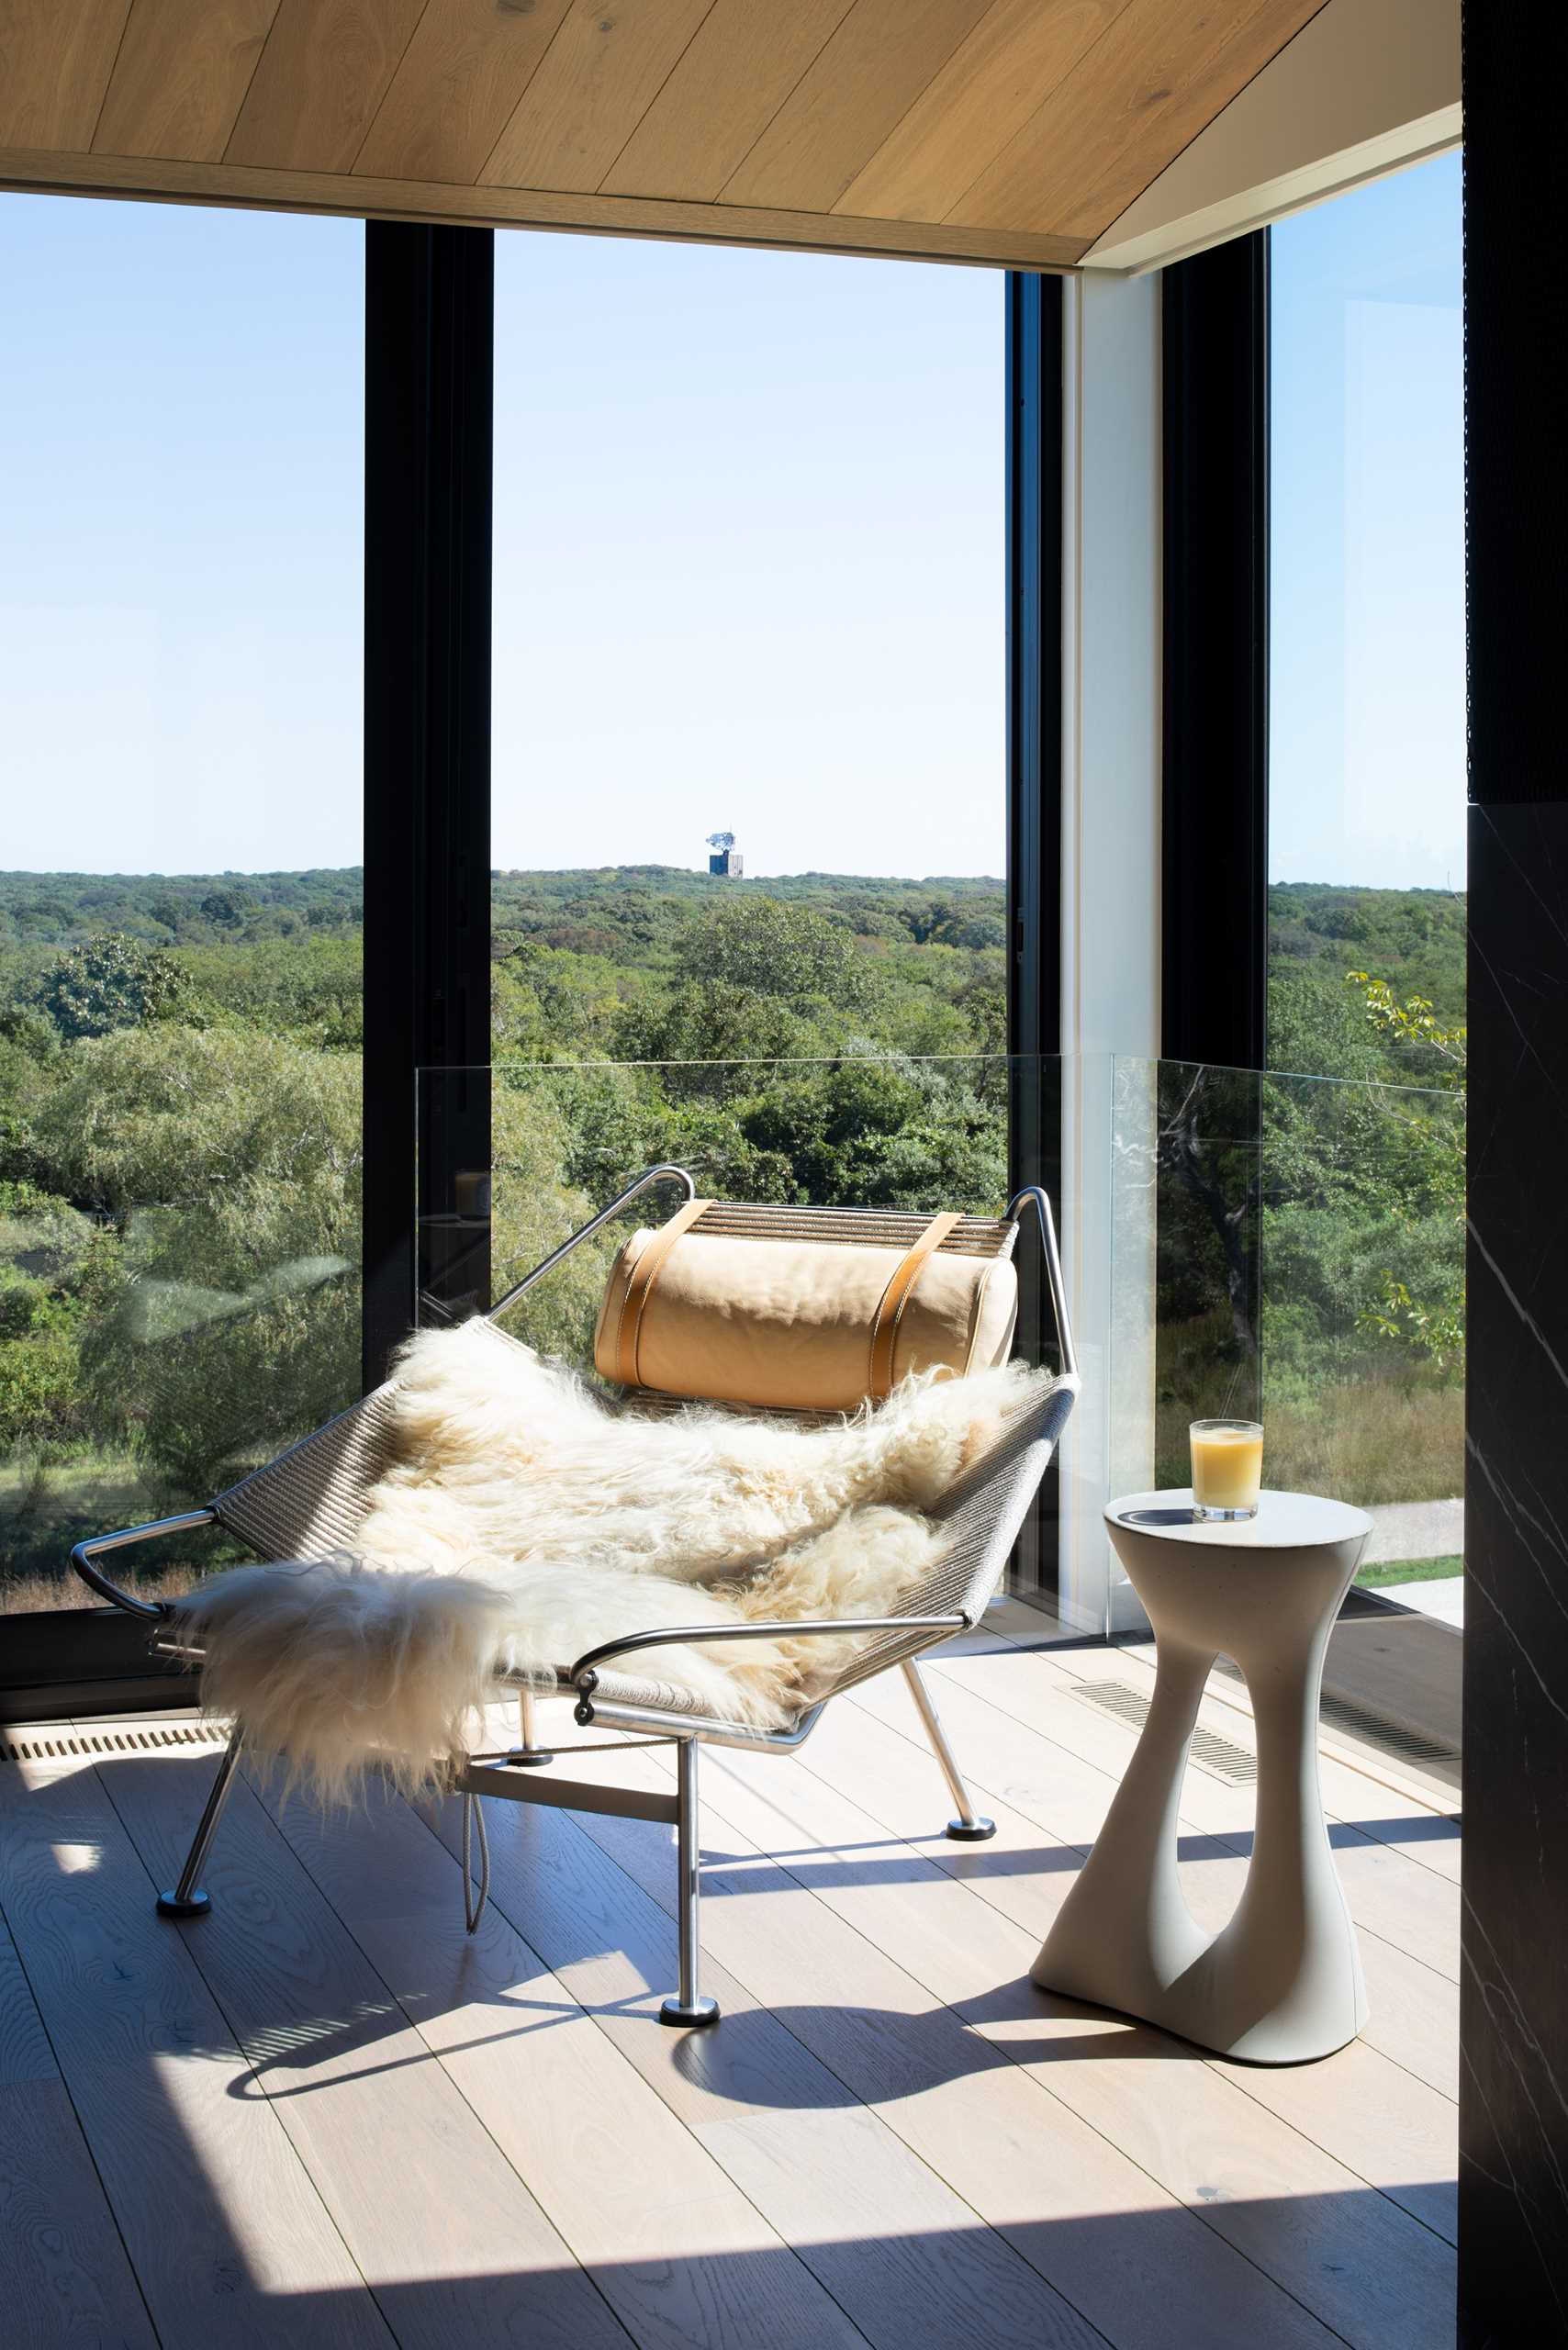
x=277, y=1992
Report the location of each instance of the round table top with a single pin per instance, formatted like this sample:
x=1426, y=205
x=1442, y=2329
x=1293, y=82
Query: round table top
x=1285, y=1521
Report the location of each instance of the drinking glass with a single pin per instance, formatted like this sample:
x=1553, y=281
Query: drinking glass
x=1227, y=1468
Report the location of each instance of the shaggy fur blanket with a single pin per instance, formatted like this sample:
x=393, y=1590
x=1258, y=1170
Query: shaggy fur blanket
x=522, y=1520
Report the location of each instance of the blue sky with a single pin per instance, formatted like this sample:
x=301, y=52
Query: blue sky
x=749, y=547
x=1367, y=702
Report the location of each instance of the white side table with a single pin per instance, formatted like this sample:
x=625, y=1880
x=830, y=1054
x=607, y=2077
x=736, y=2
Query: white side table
x=1282, y=1981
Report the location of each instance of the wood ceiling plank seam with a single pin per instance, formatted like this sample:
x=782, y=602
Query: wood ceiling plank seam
x=833, y=12
x=468, y=45
x=658, y=93
x=1198, y=129
x=1144, y=46
x=151, y=109
x=108, y=78
x=972, y=84
x=413, y=36
x=288, y=12
x=57, y=59
x=561, y=22
x=810, y=67
x=251, y=79
x=1082, y=64
x=831, y=77
x=489, y=176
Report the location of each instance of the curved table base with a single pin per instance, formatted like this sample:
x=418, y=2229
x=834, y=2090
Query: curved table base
x=1281, y=1982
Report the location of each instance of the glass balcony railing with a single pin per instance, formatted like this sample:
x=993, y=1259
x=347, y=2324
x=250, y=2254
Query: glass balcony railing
x=1234, y=1241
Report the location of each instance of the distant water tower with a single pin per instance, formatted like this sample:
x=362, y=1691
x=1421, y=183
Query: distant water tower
x=726, y=858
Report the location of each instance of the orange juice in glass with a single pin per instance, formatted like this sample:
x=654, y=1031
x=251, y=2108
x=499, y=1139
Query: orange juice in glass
x=1227, y=1468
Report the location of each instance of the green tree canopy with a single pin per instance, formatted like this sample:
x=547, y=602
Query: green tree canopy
x=110, y=981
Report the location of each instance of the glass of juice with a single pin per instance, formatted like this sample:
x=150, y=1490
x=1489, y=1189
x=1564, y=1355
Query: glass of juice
x=1227, y=1468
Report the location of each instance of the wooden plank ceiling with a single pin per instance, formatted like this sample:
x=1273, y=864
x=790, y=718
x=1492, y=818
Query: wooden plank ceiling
x=995, y=130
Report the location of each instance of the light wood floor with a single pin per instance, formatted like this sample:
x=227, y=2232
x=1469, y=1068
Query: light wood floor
x=323, y=2115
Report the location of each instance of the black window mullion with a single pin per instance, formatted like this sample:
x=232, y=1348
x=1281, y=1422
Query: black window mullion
x=429, y=342
x=1215, y=791
x=1033, y=375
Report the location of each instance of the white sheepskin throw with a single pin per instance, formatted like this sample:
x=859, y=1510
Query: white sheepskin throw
x=522, y=1520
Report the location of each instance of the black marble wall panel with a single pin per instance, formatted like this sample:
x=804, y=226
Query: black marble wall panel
x=1514, y=2001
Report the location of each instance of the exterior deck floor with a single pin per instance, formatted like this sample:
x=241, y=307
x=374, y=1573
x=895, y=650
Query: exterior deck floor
x=324, y=2115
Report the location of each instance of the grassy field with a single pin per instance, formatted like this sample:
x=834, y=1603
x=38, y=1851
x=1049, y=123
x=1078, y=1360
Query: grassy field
x=1400, y=1571
x=47, y=1507
x=1388, y=1434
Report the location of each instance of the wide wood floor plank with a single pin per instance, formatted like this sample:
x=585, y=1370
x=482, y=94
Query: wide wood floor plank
x=228, y=2238
x=448, y=2238
x=24, y=2051
x=906, y=2256
x=1376, y=2119
x=65, y=2281
x=1060, y=2191
x=64, y=2277
x=680, y=2252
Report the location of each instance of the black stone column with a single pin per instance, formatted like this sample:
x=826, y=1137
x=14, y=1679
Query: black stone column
x=1514, y=2000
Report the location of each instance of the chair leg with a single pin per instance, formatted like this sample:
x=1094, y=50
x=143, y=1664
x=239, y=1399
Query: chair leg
x=688, y=2006
x=970, y=1827
x=188, y=1899
x=527, y=1754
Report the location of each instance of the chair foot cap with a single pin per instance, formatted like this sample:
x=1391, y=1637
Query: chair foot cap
x=527, y=1757
x=195, y=1905
x=679, y=2016
x=971, y=1831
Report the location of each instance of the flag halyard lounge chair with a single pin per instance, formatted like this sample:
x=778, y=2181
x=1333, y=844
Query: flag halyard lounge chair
x=311, y=1501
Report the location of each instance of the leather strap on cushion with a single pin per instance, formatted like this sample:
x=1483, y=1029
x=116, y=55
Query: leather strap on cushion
x=644, y=1273
x=885, y=1328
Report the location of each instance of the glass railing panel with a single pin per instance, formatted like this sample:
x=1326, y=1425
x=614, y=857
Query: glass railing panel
x=204, y=1315
x=1292, y=1248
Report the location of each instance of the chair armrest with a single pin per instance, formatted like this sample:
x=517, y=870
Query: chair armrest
x=151, y=1611
x=584, y=1675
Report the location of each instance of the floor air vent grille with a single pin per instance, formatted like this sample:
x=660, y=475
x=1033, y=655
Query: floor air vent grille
x=1219, y=1756
x=1359, y=1721
x=59, y=1746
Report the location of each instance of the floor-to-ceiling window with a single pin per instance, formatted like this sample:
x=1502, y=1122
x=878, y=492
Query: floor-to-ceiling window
x=1361, y=1226
x=181, y=414
x=749, y=801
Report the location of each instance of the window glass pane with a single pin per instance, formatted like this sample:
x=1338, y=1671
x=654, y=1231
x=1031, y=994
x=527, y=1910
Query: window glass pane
x=180, y=662
x=749, y=729
x=1367, y=792
x=1361, y=1184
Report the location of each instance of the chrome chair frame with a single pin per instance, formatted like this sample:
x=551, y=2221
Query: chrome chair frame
x=517, y=1775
